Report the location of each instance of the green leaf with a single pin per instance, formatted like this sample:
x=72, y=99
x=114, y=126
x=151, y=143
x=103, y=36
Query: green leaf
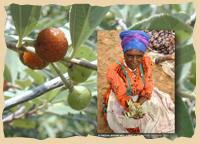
x=187, y=77
x=182, y=72
x=85, y=52
x=49, y=130
x=63, y=69
x=91, y=83
x=50, y=95
x=162, y=21
x=53, y=16
x=28, y=106
x=184, y=54
x=60, y=109
x=61, y=97
x=182, y=37
x=117, y=11
x=24, y=123
x=182, y=16
x=66, y=31
x=14, y=64
x=176, y=7
x=192, y=77
x=7, y=74
x=25, y=18
x=24, y=83
x=37, y=101
x=184, y=126
x=83, y=20
x=46, y=22
x=8, y=94
x=37, y=76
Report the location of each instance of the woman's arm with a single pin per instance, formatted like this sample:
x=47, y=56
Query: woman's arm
x=148, y=82
x=118, y=87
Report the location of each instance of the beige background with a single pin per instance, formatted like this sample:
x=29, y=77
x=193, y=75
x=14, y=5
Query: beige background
x=89, y=139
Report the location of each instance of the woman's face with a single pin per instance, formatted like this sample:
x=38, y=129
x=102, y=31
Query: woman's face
x=133, y=58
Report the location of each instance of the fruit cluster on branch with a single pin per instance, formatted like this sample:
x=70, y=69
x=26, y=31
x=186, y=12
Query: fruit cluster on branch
x=51, y=46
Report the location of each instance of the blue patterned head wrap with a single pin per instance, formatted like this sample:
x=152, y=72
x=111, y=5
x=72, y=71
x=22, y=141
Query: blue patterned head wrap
x=134, y=39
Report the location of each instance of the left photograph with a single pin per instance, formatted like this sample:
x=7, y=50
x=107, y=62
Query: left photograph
x=50, y=71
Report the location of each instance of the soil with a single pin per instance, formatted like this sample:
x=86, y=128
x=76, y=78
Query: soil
x=109, y=49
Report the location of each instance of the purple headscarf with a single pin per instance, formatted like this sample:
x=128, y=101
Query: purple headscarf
x=134, y=39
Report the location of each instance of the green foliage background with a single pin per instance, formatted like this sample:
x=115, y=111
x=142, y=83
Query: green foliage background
x=79, y=23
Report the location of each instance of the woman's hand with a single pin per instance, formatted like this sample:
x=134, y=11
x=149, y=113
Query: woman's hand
x=137, y=105
x=141, y=100
x=135, y=110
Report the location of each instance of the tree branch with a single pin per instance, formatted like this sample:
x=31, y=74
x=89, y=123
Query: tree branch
x=84, y=63
x=20, y=113
x=13, y=47
x=121, y=23
x=35, y=92
x=15, y=115
x=47, y=86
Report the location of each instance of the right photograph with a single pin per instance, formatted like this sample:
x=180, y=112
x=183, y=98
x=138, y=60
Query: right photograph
x=136, y=81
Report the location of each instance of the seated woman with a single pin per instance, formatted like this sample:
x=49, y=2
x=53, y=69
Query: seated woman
x=130, y=82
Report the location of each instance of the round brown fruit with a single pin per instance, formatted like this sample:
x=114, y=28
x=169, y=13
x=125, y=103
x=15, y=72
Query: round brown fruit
x=51, y=44
x=79, y=98
x=32, y=60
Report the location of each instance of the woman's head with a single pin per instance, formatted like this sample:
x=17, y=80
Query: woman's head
x=134, y=44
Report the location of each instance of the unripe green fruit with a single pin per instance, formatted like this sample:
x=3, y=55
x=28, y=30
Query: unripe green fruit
x=78, y=73
x=109, y=16
x=108, y=20
x=79, y=98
